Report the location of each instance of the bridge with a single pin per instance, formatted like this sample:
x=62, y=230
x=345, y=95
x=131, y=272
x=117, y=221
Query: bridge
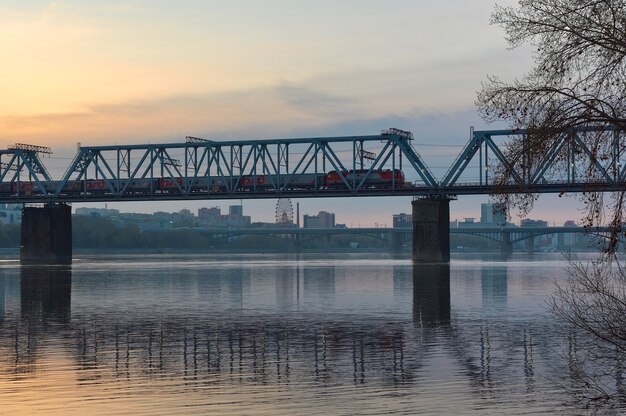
x=386, y=164
x=396, y=237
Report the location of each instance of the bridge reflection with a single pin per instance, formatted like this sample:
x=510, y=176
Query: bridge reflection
x=277, y=346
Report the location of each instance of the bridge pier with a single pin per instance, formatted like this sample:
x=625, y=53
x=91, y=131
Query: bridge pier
x=530, y=244
x=46, y=235
x=506, y=247
x=431, y=230
x=395, y=241
x=296, y=242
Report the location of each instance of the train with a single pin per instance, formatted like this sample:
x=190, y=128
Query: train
x=333, y=180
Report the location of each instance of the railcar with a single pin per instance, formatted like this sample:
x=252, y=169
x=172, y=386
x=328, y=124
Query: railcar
x=382, y=178
x=377, y=179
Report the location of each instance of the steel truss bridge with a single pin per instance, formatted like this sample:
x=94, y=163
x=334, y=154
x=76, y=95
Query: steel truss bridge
x=387, y=164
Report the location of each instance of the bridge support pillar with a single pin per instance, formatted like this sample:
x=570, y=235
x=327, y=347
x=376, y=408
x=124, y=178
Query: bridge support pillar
x=395, y=241
x=46, y=235
x=431, y=230
x=506, y=247
x=560, y=242
x=296, y=241
x=530, y=244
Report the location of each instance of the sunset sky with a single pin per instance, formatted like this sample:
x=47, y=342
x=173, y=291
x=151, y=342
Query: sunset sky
x=138, y=71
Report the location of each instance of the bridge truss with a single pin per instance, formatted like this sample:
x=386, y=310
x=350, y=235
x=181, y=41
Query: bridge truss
x=576, y=161
x=384, y=164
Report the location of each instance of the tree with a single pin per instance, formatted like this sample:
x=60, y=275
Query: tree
x=593, y=303
x=578, y=81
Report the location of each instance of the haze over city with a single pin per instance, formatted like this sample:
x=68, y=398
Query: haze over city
x=135, y=72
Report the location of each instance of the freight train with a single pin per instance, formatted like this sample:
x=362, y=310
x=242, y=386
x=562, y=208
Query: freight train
x=334, y=180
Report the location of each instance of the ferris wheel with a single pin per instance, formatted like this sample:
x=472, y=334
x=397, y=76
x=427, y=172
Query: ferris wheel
x=284, y=212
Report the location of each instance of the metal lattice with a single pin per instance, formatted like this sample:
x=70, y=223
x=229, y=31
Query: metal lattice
x=387, y=164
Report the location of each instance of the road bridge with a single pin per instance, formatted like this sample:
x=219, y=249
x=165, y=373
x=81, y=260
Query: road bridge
x=506, y=236
x=386, y=164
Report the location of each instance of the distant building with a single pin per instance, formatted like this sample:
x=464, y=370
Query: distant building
x=527, y=222
x=97, y=212
x=492, y=214
x=570, y=240
x=468, y=222
x=10, y=213
x=236, y=219
x=322, y=220
x=235, y=210
x=402, y=220
x=542, y=241
x=210, y=214
x=185, y=213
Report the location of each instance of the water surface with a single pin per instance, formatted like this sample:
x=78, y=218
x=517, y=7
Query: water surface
x=280, y=335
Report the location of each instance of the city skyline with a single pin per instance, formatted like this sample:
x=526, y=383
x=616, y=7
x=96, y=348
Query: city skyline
x=206, y=211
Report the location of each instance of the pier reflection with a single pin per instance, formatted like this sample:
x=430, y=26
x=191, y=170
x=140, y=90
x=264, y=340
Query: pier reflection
x=494, y=288
x=431, y=294
x=45, y=308
x=2, y=296
x=46, y=293
x=319, y=283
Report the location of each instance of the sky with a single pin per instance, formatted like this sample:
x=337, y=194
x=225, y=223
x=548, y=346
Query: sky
x=129, y=72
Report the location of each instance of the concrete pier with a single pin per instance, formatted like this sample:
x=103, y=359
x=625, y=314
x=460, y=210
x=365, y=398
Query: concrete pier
x=530, y=244
x=46, y=235
x=431, y=230
x=395, y=241
x=506, y=247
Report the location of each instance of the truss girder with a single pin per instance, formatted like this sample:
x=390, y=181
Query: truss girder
x=571, y=163
x=25, y=172
x=304, y=168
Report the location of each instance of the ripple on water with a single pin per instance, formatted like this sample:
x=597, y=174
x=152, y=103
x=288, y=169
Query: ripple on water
x=267, y=335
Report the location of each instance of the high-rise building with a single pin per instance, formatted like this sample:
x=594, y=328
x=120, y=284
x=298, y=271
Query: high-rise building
x=492, y=214
x=209, y=213
x=322, y=220
x=402, y=220
x=235, y=210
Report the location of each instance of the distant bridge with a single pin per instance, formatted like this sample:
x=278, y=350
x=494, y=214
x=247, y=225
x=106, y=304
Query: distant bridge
x=400, y=230
x=506, y=236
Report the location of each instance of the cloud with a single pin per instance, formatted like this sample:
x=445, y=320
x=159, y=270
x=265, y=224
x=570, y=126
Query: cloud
x=331, y=103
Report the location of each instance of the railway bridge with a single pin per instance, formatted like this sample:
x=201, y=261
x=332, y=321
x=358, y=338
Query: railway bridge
x=385, y=164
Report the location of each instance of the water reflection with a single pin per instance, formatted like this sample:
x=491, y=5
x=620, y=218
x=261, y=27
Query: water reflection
x=2, y=296
x=319, y=282
x=494, y=288
x=431, y=294
x=46, y=294
x=397, y=330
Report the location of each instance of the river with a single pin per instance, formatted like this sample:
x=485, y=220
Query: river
x=282, y=335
